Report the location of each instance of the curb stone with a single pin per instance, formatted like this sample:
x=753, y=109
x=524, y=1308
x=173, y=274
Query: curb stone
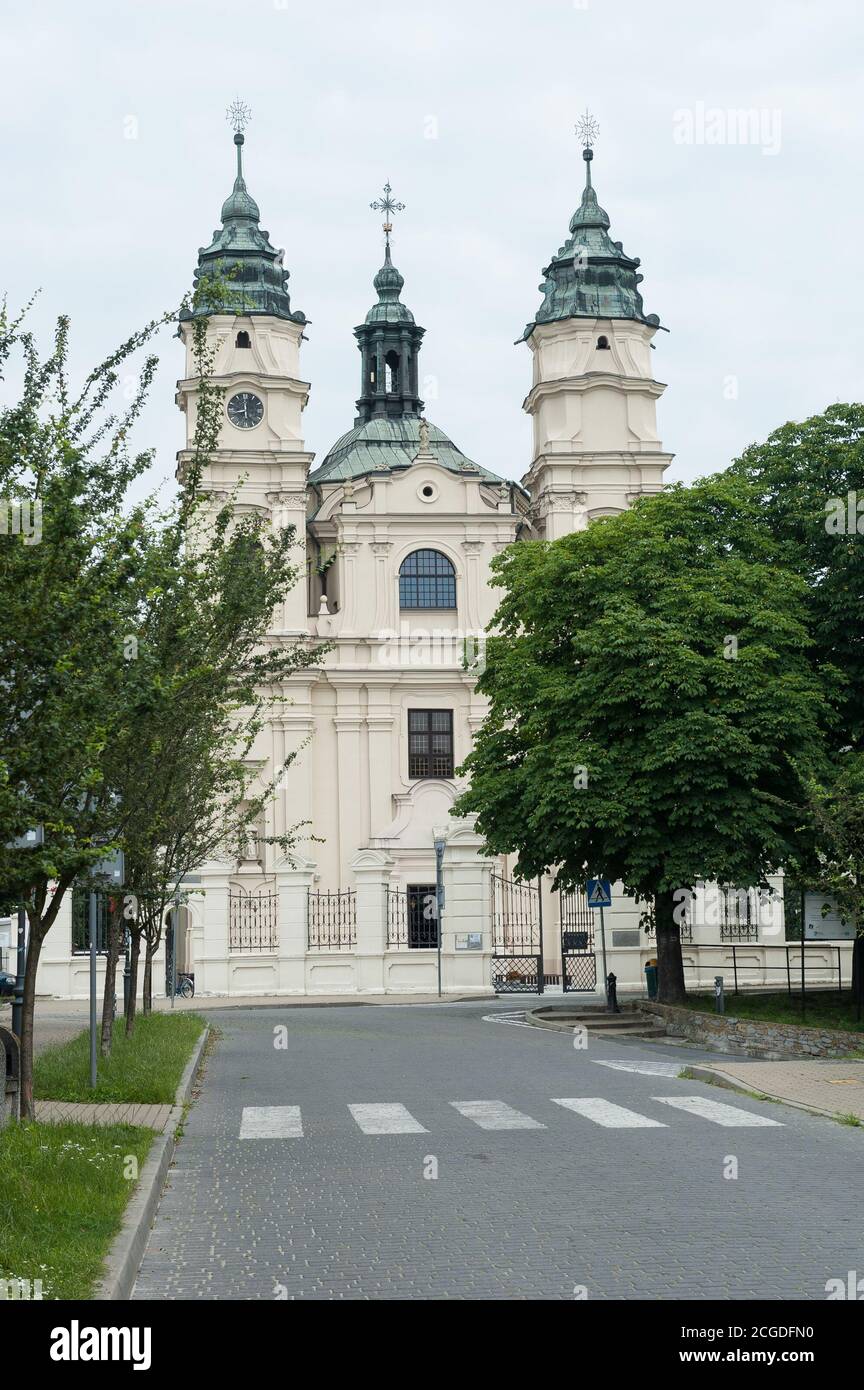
x=714, y=1076
x=123, y=1260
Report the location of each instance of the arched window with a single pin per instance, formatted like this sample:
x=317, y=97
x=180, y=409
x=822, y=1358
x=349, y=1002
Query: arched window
x=243, y=339
x=602, y=344
x=391, y=361
x=427, y=580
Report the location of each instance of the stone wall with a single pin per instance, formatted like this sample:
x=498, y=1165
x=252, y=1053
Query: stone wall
x=726, y=1033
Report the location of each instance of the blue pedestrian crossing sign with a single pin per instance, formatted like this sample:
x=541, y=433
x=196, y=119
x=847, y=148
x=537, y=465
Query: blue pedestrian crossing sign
x=599, y=892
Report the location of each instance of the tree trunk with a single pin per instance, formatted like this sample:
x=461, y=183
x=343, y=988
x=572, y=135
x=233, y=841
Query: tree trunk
x=34, y=949
x=114, y=931
x=147, y=1001
x=671, y=988
x=132, y=1001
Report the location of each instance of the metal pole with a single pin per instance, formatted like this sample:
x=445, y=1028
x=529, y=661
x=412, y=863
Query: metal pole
x=803, y=932
x=541, y=977
x=21, y=969
x=603, y=948
x=174, y=916
x=127, y=965
x=93, y=928
x=439, y=900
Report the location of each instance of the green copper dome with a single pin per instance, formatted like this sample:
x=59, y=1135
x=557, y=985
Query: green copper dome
x=241, y=254
x=380, y=445
x=388, y=283
x=590, y=276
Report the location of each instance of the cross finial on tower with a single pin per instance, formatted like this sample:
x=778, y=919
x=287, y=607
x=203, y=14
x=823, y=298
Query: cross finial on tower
x=387, y=205
x=587, y=129
x=238, y=116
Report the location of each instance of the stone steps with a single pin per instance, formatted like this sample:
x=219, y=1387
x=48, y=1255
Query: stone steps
x=628, y=1024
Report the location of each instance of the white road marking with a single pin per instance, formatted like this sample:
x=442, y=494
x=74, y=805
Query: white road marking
x=644, y=1068
x=516, y=1020
x=495, y=1114
x=386, y=1119
x=603, y=1112
x=715, y=1111
x=271, y=1122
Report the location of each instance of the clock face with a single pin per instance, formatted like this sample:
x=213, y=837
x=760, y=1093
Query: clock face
x=245, y=410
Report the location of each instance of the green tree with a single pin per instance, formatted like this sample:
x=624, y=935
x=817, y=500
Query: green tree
x=68, y=559
x=199, y=676
x=646, y=683
x=808, y=478
x=836, y=806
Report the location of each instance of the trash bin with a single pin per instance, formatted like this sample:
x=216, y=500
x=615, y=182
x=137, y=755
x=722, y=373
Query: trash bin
x=651, y=978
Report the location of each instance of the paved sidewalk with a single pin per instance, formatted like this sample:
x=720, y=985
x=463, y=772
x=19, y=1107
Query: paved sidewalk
x=829, y=1087
x=61, y=1112
x=60, y=1020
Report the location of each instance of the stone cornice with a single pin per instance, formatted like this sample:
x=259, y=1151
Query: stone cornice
x=589, y=381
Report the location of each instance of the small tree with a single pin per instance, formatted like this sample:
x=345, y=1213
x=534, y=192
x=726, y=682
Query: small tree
x=67, y=563
x=808, y=478
x=646, y=684
x=836, y=805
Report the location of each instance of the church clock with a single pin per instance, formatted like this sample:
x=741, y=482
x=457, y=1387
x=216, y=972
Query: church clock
x=245, y=410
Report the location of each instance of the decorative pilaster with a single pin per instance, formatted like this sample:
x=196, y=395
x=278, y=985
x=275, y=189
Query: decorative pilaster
x=293, y=884
x=372, y=869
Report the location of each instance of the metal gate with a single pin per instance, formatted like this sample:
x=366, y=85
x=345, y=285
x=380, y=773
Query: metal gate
x=578, y=962
x=517, y=937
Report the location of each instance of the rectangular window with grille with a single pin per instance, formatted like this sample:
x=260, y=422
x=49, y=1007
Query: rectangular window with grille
x=430, y=743
x=422, y=916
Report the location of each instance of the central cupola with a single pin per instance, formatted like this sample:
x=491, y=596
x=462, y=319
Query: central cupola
x=389, y=341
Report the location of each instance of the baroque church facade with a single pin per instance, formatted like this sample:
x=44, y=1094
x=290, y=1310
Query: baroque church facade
x=396, y=528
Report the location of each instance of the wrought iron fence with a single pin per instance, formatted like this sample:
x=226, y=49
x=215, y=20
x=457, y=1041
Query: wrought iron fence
x=412, y=917
x=739, y=913
x=109, y=907
x=517, y=922
x=253, y=920
x=576, y=916
x=332, y=920
x=685, y=931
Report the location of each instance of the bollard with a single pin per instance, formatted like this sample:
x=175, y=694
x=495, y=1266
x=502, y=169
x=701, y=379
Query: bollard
x=612, y=994
x=10, y=1058
x=719, y=998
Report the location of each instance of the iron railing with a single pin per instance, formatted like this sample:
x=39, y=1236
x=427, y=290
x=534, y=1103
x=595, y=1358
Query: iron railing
x=792, y=965
x=412, y=917
x=253, y=920
x=331, y=920
x=739, y=913
x=685, y=932
x=517, y=917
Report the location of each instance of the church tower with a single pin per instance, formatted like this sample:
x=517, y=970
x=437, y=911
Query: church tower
x=253, y=337
x=593, y=397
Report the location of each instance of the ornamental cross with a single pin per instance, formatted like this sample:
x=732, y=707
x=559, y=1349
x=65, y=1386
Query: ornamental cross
x=587, y=129
x=238, y=116
x=387, y=205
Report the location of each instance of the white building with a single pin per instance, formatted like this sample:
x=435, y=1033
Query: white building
x=398, y=529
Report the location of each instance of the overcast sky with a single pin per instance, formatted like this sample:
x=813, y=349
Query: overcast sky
x=117, y=158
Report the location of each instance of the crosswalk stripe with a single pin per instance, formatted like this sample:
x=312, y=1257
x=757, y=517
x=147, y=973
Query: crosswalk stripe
x=271, y=1122
x=604, y=1112
x=714, y=1110
x=386, y=1119
x=494, y=1114
x=643, y=1068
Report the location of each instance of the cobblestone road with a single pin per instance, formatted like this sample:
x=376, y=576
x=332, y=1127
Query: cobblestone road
x=308, y=1169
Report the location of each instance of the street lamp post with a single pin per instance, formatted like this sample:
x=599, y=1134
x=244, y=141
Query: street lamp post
x=20, y=971
x=32, y=839
x=439, y=842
